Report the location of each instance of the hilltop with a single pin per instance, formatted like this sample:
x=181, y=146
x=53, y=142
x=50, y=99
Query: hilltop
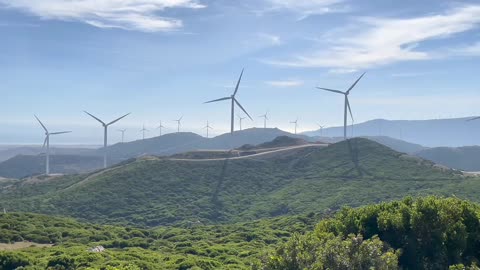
x=160, y=191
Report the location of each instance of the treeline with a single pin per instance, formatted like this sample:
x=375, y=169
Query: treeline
x=425, y=233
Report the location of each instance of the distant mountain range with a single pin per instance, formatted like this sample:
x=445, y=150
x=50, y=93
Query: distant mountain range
x=26, y=161
x=454, y=132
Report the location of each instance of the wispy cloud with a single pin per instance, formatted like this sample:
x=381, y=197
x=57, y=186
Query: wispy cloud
x=272, y=39
x=387, y=41
x=286, y=83
x=306, y=7
x=139, y=15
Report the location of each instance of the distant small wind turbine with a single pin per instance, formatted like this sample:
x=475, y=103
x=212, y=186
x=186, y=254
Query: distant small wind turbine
x=321, y=129
x=265, y=118
x=208, y=127
x=105, y=134
x=240, y=119
x=143, y=130
x=123, y=133
x=234, y=101
x=347, y=103
x=47, y=143
x=179, y=123
x=296, y=125
x=160, y=128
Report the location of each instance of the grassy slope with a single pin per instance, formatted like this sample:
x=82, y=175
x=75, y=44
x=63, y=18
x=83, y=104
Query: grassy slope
x=159, y=192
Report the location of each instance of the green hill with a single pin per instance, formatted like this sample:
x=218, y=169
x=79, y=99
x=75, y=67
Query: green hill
x=159, y=191
x=462, y=158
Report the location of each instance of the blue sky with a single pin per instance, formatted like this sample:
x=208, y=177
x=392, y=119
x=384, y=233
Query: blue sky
x=160, y=59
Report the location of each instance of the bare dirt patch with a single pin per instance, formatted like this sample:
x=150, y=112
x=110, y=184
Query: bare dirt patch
x=21, y=245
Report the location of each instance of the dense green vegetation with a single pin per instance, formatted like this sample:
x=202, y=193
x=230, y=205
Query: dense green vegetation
x=235, y=246
x=423, y=233
x=152, y=192
x=427, y=233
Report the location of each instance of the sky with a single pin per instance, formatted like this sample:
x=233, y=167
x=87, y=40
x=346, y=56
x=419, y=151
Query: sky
x=161, y=59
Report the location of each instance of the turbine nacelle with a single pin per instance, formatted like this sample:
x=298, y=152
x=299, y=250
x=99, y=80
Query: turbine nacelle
x=234, y=101
x=347, y=102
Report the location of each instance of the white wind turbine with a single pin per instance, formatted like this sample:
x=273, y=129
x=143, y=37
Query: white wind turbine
x=240, y=120
x=265, y=118
x=321, y=129
x=47, y=143
x=143, y=130
x=123, y=133
x=160, y=128
x=105, y=133
x=208, y=127
x=296, y=124
x=234, y=101
x=179, y=123
x=347, y=103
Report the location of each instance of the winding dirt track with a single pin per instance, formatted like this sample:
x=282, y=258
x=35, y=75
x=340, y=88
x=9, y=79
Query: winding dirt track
x=263, y=153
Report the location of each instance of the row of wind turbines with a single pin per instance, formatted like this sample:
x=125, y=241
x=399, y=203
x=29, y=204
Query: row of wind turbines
x=234, y=102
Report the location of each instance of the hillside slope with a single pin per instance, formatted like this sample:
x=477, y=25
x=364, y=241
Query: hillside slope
x=151, y=192
x=462, y=158
x=23, y=165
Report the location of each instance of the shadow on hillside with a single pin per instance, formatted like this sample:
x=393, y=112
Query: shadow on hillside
x=353, y=151
x=216, y=202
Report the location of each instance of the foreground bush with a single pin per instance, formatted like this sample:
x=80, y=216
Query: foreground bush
x=426, y=233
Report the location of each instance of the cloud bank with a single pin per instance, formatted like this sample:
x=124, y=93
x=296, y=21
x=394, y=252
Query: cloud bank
x=138, y=15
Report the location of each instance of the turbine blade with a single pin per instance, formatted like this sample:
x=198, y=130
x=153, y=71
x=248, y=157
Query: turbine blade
x=94, y=117
x=180, y=118
x=44, y=142
x=355, y=83
x=243, y=109
x=215, y=100
x=473, y=119
x=118, y=119
x=41, y=124
x=238, y=83
x=331, y=90
x=62, y=132
x=350, y=109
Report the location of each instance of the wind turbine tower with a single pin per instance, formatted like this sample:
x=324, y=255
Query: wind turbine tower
x=321, y=129
x=123, y=133
x=208, y=127
x=105, y=134
x=143, y=130
x=296, y=125
x=179, y=123
x=233, y=101
x=160, y=128
x=47, y=143
x=265, y=118
x=240, y=120
x=347, y=103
